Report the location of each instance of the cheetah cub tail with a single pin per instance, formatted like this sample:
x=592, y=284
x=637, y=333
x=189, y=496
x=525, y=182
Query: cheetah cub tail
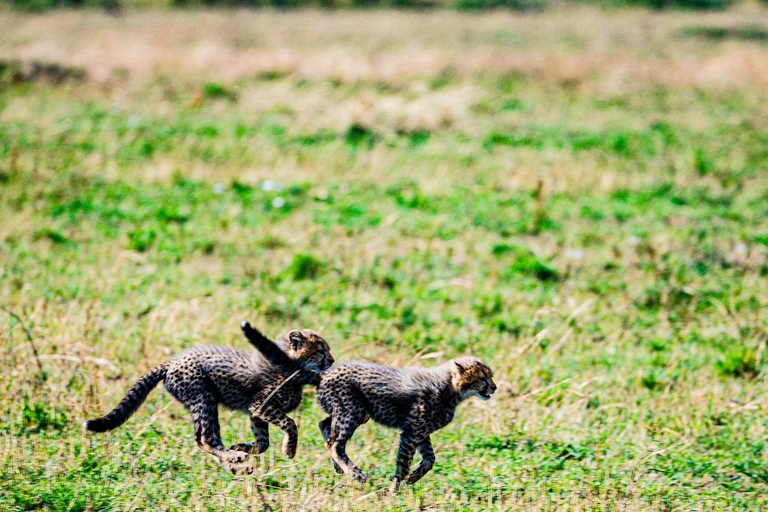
x=128, y=405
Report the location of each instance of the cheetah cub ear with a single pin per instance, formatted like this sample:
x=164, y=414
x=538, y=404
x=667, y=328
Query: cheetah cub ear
x=462, y=369
x=296, y=340
x=467, y=369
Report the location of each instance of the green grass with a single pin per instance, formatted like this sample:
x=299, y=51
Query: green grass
x=603, y=252
x=750, y=32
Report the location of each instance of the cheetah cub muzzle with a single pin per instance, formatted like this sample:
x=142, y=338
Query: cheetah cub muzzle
x=205, y=377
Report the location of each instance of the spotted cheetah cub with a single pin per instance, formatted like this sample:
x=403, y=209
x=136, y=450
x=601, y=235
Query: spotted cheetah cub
x=204, y=377
x=417, y=401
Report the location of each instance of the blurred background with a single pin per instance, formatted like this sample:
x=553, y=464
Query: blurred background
x=573, y=191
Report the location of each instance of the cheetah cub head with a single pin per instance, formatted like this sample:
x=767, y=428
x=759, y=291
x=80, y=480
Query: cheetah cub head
x=472, y=377
x=309, y=349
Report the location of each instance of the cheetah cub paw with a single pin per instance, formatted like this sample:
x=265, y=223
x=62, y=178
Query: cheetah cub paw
x=240, y=469
x=242, y=447
x=289, y=447
x=233, y=456
x=358, y=475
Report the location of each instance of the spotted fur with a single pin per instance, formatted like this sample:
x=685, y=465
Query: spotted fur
x=202, y=378
x=416, y=401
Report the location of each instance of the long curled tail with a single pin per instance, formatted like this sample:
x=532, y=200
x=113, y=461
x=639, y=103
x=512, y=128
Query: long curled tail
x=128, y=405
x=275, y=355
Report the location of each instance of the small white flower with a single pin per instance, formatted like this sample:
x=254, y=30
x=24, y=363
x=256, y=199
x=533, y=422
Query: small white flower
x=574, y=254
x=278, y=202
x=633, y=240
x=271, y=186
x=133, y=121
x=740, y=248
x=219, y=188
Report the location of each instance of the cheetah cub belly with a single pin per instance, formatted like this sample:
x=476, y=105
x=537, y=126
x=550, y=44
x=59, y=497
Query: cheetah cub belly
x=204, y=378
x=415, y=401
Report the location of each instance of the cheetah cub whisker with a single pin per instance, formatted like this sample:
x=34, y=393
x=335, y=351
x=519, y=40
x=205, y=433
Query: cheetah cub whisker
x=203, y=378
x=416, y=401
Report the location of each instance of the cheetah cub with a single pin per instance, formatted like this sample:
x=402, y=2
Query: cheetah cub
x=204, y=377
x=417, y=401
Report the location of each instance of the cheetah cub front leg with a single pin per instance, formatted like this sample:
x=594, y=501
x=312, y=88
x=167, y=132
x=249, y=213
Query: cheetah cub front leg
x=409, y=443
x=427, y=461
x=278, y=418
x=325, y=430
x=260, y=429
x=405, y=453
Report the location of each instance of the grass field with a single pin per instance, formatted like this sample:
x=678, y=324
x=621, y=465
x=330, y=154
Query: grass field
x=578, y=197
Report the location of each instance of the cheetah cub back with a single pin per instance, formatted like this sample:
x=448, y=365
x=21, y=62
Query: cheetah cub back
x=205, y=377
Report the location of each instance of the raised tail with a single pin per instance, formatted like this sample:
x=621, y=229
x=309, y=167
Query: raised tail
x=275, y=355
x=128, y=405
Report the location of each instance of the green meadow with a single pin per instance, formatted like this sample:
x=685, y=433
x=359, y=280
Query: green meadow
x=585, y=210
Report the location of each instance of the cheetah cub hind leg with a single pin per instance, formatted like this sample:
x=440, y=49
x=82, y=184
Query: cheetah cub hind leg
x=205, y=419
x=232, y=460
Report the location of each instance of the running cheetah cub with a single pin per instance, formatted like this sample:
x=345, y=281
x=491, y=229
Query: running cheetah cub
x=417, y=401
x=204, y=377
